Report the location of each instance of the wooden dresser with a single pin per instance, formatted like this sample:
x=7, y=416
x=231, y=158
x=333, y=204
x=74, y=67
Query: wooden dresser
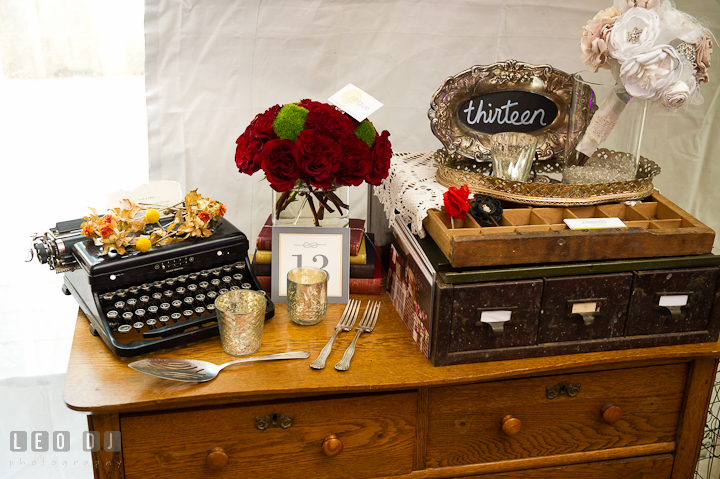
x=620, y=414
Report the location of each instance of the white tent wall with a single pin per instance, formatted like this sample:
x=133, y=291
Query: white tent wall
x=211, y=66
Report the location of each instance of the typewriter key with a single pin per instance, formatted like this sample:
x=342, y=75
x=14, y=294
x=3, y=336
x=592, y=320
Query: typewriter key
x=140, y=314
x=125, y=328
x=227, y=280
x=134, y=289
x=165, y=307
x=204, y=285
x=215, y=282
x=152, y=310
x=180, y=291
x=157, y=298
x=121, y=293
x=158, y=284
x=216, y=271
x=131, y=303
x=200, y=298
x=112, y=317
x=127, y=316
x=164, y=319
x=193, y=276
x=227, y=268
x=211, y=295
x=204, y=273
x=168, y=294
x=175, y=317
x=139, y=325
x=240, y=265
x=188, y=300
x=199, y=310
x=146, y=287
x=192, y=288
x=188, y=313
x=177, y=304
x=235, y=288
x=170, y=282
x=120, y=305
x=246, y=286
x=108, y=297
x=210, y=307
x=238, y=277
x=151, y=323
x=182, y=278
x=223, y=291
x=144, y=300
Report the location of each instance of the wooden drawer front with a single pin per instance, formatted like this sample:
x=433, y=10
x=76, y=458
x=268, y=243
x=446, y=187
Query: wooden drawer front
x=585, y=307
x=647, y=317
x=654, y=467
x=473, y=303
x=377, y=434
x=465, y=422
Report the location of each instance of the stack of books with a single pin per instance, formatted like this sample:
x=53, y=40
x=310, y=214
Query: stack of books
x=365, y=267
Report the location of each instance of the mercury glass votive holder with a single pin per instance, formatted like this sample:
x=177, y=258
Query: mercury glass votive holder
x=513, y=155
x=307, y=295
x=241, y=317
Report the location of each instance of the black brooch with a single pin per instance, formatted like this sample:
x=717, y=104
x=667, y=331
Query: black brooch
x=486, y=209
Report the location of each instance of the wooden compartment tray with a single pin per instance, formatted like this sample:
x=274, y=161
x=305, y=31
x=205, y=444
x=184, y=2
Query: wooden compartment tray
x=656, y=227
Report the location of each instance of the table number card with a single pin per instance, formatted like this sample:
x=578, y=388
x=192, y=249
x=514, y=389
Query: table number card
x=355, y=102
x=324, y=248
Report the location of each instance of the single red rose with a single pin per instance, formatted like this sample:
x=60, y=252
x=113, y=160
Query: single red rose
x=456, y=202
x=381, y=154
x=261, y=126
x=328, y=120
x=247, y=151
x=355, y=162
x=318, y=158
x=279, y=164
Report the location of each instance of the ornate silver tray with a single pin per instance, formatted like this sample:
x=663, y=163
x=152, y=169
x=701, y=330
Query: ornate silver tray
x=456, y=170
x=465, y=128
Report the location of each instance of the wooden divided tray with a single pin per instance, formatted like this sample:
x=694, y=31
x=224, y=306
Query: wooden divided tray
x=528, y=235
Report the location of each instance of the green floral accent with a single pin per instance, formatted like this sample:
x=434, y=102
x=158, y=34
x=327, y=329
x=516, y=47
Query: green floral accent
x=290, y=121
x=366, y=132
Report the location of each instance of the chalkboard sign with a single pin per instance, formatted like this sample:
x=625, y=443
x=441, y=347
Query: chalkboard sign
x=519, y=111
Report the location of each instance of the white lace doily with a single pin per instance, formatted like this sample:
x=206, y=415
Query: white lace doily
x=411, y=189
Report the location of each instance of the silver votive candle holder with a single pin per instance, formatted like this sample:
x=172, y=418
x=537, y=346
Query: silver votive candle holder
x=241, y=318
x=307, y=295
x=513, y=155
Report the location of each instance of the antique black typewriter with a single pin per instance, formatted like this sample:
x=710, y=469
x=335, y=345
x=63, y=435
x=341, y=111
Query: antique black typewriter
x=142, y=302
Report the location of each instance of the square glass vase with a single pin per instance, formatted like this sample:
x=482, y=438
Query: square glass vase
x=302, y=206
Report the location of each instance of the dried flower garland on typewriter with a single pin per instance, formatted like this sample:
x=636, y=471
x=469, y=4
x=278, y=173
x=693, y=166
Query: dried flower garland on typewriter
x=656, y=53
x=127, y=226
x=314, y=147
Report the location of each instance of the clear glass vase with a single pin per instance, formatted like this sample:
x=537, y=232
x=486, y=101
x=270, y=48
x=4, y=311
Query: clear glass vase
x=602, y=119
x=306, y=206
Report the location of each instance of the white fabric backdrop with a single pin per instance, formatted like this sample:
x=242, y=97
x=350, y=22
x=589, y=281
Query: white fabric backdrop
x=212, y=66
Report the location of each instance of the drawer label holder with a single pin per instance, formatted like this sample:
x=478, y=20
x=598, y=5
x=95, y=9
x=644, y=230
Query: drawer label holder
x=274, y=419
x=559, y=389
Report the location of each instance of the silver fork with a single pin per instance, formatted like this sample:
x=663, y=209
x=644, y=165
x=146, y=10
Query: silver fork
x=347, y=321
x=367, y=324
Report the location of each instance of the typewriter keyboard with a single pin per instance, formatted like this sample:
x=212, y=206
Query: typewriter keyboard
x=148, y=310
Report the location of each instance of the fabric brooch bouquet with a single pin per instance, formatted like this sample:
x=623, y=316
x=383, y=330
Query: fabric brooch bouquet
x=311, y=148
x=458, y=205
x=656, y=53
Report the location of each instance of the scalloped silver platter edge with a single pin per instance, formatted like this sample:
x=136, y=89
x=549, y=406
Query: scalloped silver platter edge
x=509, y=75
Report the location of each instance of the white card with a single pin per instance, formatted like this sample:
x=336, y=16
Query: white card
x=495, y=316
x=355, y=102
x=673, y=300
x=593, y=223
x=162, y=193
x=578, y=308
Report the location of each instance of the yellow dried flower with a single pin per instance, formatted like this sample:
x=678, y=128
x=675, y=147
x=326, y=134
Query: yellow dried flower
x=152, y=216
x=143, y=244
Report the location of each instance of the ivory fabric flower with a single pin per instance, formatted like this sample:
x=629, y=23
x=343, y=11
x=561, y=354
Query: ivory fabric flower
x=648, y=75
x=593, y=42
x=633, y=33
x=676, y=95
x=703, y=49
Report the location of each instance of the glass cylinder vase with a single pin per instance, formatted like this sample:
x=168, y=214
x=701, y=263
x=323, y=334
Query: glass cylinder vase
x=605, y=130
x=306, y=206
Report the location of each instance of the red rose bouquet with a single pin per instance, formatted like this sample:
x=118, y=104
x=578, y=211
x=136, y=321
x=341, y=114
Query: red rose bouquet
x=313, y=148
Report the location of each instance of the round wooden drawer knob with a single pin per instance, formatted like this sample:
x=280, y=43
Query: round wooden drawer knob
x=611, y=413
x=332, y=446
x=217, y=459
x=511, y=425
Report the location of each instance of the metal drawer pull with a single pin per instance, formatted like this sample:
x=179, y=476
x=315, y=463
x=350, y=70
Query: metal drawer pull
x=673, y=303
x=275, y=419
x=564, y=387
x=587, y=309
x=496, y=318
x=332, y=446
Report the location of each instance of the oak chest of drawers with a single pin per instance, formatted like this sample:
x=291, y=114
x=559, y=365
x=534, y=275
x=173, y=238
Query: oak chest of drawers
x=630, y=414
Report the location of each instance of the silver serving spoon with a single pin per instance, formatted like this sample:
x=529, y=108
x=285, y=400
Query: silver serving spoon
x=196, y=371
